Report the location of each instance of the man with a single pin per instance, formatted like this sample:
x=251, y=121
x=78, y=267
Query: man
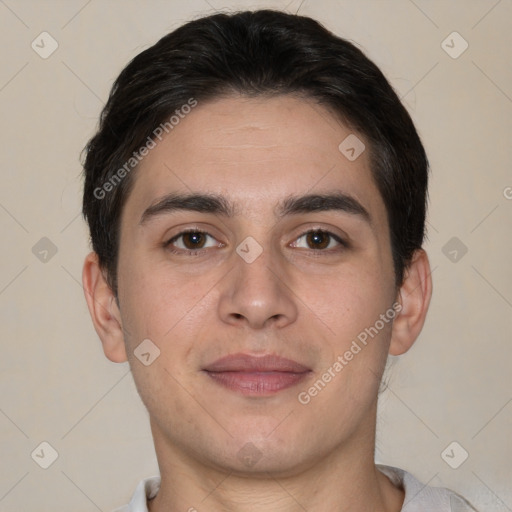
x=256, y=197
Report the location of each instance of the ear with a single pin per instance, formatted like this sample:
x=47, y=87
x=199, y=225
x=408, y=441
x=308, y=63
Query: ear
x=414, y=297
x=104, y=310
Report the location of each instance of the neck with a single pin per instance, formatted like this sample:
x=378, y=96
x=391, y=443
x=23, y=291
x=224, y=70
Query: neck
x=344, y=481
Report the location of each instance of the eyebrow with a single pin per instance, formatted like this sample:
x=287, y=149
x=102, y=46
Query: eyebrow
x=219, y=205
x=204, y=203
x=337, y=201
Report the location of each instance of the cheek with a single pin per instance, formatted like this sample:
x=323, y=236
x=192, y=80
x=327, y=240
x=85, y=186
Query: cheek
x=351, y=303
x=350, y=299
x=363, y=332
x=161, y=304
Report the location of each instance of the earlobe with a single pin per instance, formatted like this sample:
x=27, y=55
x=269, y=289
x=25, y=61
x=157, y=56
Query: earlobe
x=103, y=309
x=414, y=298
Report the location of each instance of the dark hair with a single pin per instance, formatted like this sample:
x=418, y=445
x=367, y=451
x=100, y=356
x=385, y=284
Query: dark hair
x=254, y=53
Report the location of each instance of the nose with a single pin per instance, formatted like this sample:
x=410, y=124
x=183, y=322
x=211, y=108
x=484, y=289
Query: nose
x=257, y=294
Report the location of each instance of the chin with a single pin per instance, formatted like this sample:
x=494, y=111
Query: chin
x=251, y=453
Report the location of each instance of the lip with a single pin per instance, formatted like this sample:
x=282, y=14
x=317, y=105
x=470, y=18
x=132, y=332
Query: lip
x=256, y=375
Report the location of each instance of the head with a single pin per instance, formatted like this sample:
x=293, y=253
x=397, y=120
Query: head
x=301, y=179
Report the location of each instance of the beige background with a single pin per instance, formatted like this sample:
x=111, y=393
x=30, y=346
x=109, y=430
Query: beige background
x=56, y=385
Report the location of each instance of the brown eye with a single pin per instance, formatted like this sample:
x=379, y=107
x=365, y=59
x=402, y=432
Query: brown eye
x=318, y=239
x=194, y=240
x=191, y=241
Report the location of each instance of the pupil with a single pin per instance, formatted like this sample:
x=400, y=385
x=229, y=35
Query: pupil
x=318, y=239
x=194, y=240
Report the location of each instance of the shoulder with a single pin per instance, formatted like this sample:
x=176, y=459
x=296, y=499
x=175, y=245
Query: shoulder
x=145, y=490
x=422, y=498
x=418, y=496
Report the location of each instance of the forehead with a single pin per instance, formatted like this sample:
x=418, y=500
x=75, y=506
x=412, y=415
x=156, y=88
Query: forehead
x=255, y=151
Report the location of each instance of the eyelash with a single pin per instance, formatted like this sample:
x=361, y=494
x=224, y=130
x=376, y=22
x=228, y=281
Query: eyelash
x=331, y=235
x=187, y=252
x=198, y=252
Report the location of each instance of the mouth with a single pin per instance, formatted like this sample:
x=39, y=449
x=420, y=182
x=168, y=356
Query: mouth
x=256, y=375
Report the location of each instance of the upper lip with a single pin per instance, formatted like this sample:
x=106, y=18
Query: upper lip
x=250, y=363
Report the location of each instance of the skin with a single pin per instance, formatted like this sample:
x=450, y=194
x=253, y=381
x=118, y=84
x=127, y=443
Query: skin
x=295, y=300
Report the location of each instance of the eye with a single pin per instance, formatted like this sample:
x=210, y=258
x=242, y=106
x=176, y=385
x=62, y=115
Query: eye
x=191, y=241
x=318, y=240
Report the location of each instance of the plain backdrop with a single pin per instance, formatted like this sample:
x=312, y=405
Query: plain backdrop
x=455, y=384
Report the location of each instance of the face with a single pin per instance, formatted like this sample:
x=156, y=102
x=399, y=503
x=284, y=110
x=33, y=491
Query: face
x=254, y=285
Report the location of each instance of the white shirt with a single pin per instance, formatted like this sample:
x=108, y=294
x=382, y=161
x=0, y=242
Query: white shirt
x=418, y=497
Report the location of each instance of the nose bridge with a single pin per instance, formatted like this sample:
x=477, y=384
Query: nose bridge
x=255, y=292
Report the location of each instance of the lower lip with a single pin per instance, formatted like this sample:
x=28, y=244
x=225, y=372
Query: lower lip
x=257, y=383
